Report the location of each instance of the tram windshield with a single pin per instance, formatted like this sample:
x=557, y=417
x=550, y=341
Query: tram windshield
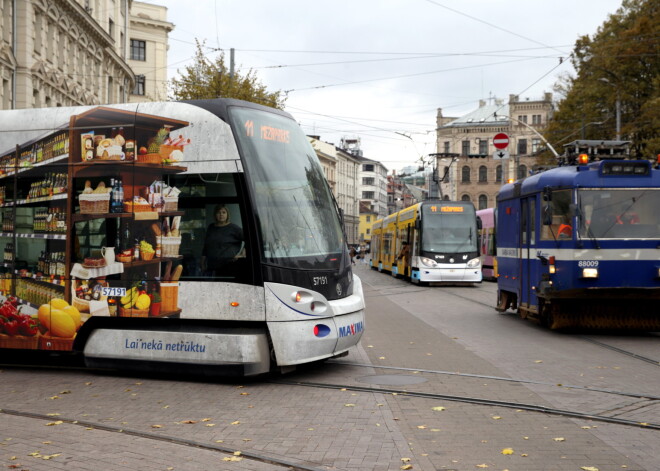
x=298, y=219
x=449, y=229
x=619, y=213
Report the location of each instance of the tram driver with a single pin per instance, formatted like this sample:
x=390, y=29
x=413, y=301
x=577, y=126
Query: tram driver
x=224, y=245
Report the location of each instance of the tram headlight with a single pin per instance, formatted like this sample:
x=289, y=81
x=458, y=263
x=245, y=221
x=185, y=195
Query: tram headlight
x=474, y=263
x=429, y=262
x=590, y=273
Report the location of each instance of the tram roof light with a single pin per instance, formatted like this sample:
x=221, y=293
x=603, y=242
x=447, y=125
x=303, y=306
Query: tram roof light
x=583, y=159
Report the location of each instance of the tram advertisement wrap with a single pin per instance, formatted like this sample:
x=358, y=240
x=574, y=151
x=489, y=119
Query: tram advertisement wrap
x=129, y=214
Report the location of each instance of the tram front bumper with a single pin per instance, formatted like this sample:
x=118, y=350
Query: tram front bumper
x=450, y=274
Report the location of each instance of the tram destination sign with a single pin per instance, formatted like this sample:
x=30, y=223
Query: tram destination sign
x=501, y=140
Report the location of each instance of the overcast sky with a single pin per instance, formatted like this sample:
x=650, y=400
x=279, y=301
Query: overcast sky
x=380, y=69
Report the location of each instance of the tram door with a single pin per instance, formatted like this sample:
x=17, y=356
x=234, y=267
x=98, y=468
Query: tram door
x=528, y=256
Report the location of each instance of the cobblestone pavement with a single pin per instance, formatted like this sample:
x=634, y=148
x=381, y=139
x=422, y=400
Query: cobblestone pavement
x=314, y=428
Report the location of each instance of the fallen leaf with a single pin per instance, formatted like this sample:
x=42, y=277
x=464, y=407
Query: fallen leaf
x=237, y=453
x=188, y=422
x=407, y=466
x=245, y=394
x=370, y=346
x=209, y=425
x=496, y=417
x=524, y=455
x=421, y=427
x=349, y=405
x=247, y=439
x=88, y=383
x=381, y=358
x=435, y=430
x=13, y=458
x=589, y=468
x=206, y=420
x=484, y=465
x=54, y=423
x=232, y=458
x=236, y=423
x=47, y=443
x=405, y=460
x=586, y=427
x=538, y=361
x=439, y=408
x=53, y=414
x=507, y=451
x=559, y=439
x=54, y=397
x=156, y=426
x=219, y=441
x=66, y=391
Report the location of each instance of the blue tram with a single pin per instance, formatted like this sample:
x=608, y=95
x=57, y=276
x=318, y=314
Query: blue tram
x=579, y=245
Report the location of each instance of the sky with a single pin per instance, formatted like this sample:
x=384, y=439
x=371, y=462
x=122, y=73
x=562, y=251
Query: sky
x=378, y=70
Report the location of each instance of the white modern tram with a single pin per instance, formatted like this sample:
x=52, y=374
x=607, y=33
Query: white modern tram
x=195, y=235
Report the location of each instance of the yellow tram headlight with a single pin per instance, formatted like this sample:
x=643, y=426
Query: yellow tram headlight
x=590, y=273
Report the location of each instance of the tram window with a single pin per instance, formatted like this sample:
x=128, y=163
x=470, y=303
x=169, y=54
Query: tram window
x=560, y=205
x=213, y=234
x=620, y=213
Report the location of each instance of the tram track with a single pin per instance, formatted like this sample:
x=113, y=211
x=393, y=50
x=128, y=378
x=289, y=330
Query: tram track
x=500, y=378
x=477, y=401
x=229, y=452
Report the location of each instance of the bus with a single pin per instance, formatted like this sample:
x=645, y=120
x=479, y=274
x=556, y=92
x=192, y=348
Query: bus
x=430, y=242
x=578, y=246
x=487, y=246
x=193, y=236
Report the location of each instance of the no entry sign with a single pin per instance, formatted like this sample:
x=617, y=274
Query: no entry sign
x=501, y=141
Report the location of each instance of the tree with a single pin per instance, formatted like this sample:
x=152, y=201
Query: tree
x=620, y=63
x=206, y=79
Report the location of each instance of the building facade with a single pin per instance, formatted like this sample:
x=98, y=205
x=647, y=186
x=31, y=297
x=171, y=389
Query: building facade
x=373, y=185
x=147, y=56
x=341, y=170
x=69, y=52
x=467, y=164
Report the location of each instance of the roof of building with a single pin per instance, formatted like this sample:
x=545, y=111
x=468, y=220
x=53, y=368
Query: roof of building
x=484, y=115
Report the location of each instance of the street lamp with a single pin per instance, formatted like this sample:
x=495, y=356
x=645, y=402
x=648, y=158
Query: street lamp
x=618, y=105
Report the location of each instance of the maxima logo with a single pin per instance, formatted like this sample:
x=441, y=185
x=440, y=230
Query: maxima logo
x=351, y=329
x=321, y=330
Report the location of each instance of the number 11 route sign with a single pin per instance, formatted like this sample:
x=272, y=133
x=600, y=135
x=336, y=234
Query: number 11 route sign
x=501, y=141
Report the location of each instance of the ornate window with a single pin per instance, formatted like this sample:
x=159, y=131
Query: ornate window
x=483, y=201
x=483, y=174
x=465, y=174
x=498, y=174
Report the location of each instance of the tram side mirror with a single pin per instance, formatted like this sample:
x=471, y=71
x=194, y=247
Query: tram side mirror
x=547, y=194
x=417, y=224
x=546, y=216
